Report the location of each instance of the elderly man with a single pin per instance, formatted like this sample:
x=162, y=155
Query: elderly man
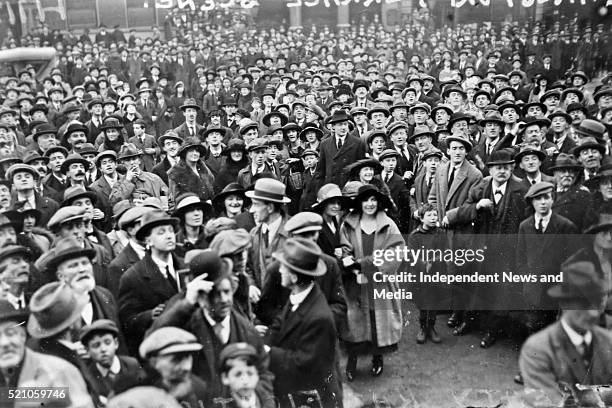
x=303, y=339
x=571, y=197
x=15, y=275
x=20, y=366
x=135, y=179
x=24, y=179
x=206, y=310
x=574, y=350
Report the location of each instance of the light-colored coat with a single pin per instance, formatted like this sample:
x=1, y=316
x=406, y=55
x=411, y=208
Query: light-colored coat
x=387, y=313
x=45, y=371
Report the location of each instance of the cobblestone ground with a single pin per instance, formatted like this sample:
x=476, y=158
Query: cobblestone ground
x=455, y=373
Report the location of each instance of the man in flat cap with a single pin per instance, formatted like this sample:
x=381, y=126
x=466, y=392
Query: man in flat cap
x=21, y=366
x=169, y=351
x=24, y=178
x=573, y=350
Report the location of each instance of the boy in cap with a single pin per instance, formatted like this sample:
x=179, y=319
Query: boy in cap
x=113, y=373
x=310, y=159
x=24, y=179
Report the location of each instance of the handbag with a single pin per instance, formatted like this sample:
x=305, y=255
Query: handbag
x=295, y=179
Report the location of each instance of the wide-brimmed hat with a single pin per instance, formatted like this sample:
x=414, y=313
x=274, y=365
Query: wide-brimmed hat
x=54, y=308
x=168, y=340
x=603, y=223
x=501, y=157
x=75, y=192
x=128, y=150
x=368, y=190
x=192, y=143
x=111, y=123
x=169, y=135
x=311, y=128
x=266, y=119
x=565, y=161
x=353, y=169
x=190, y=103
x=581, y=282
x=230, y=189
x=339, y=115
x=526, y=150
x=588, y=143
x=74, y=158
x=65, y=249
x=329, y=192
x=152, y=219
x=228, y=242
x=269, y=189
x=190, y=201
x=301, y=256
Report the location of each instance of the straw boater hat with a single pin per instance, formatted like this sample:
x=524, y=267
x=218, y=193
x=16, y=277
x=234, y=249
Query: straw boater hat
x=269, y=189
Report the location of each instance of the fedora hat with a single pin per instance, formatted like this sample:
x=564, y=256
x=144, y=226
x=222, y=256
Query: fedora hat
x=230, y=189
x=72, y=159
x=460, y=139
x=493, y=117
x=327, y=193
x=269, y=189
x=87, y=148
x=75, y=192
x=152, y=219
x=353, y=169
x=508, y=103
x=603, y=223
x=266, y=119
x=65, y=249
x=302, y=256
x=75, y=127
x=128, y=150
x=106, y=153
x=230, y=241
x=526, y=150
x=459, y=116
x=420, y=105
x=368, y=190
x=565, y=161
x=501, y=157
x=111, y=123
x=588, y=143
x=192, y=143
x=591, y=127
x=190, y=103
x=580, y=282
x=304, y=221
x=338, y=116
x=190, y=201
x=168, y=340
x=169, y=135
x=53, y=308
x=8, y=251
x=422, y=130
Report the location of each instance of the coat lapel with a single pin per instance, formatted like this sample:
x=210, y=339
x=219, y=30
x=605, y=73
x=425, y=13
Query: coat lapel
x=569, y=353
x=458, y=180
x=292, y=319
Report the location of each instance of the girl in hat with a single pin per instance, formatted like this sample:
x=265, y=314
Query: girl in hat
x=231, y=201
x=236, y=160
x=374, y=325
x=193, y=214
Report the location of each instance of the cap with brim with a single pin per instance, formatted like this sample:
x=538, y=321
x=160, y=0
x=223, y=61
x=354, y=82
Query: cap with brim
x=376, y=133
x=131, y=215
x=539, y=188
x=231, y=241
x=111, y=124
x=100, y=326
x=301, y=256
x=376, y=109
x=153, y=219
x=188, y=202
x=106, y=153
x=432, y=152
x=353, y=169
x=400, y=124
x=168, y=340
x=387, y=153
x=19, y=168
x=237, y=350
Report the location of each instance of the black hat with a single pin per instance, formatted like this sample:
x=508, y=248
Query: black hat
x=338, y=116
x=368, y=190
x=230, y=189
x=500, y=157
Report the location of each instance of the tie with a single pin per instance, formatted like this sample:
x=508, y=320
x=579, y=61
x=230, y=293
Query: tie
x=541, y=226
x=191, y=131
x=218, y=329
x=388, y=178
x=452, y=177
x=171, y=279
x=110, y=376
x=145, y=103
x=20, y=303
x=142, y=140
x=264, y=235
x=498, y=193
x=339, y=144
x=586, y=352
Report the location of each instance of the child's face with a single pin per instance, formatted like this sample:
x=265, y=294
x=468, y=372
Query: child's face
x=431, y=164
x=102, y=348
x=310, y=161
x=240, y=378
x=430, y=219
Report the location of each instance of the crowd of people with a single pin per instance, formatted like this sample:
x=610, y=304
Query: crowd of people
x=189, y=219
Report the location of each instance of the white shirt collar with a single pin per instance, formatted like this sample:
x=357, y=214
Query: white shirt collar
x=114, y=368
x=162, y=265
x=31, y=200
x=111, y=181
x=271, y=228
x=16, y=300
x=225, y=325
x=576, y=338
x=297, y=299
x=537, y=179
x=87, y=313
x=502, y=188
x=545, y=219
x=139, y=249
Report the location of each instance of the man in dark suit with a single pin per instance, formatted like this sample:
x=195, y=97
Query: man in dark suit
x=94, y=125
x=190, y=128
x=107, y=162
x=170, y=143
x=574, y=350
x=496, y=206
x=338, y=151
x=145, y=142
x=145, y=287
x=23, y=178
x=493, y=140
x=559, y=131
x=571, y=196
x=303, y=337
x=147, y=109
x=206, y=309
x=397, y=187
x=407, y=159
x=529, y=160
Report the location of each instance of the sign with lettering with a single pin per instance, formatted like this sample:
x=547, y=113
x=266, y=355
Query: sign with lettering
x=206, y=5
x=521, y=3
x=328, y=3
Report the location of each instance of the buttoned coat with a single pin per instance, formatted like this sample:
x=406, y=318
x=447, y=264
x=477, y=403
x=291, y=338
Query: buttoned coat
x=147, y=160
x=183, y=130
x=549, y=357
x=161, y=169
x=332, y=162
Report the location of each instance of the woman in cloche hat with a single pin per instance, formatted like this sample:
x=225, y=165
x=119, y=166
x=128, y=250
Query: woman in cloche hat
x=231, y=201
x=374, y=325
x=193, y=214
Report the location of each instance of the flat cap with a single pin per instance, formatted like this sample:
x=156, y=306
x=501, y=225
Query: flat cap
x=237, y=350
x=66, y=214
x=97, y=326
x=539, y=188
x=168, y=340
x=230, y=241
x=305, y=221
x=131, y=215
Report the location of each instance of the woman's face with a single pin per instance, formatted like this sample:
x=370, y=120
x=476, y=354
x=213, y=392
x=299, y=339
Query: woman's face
x=333, y=208
x=192, y=155
x=369, y=206
x=112, y=134
x=236, y=155
x=233, y=204
x=29, y=221
x=194, y=218
x=366, y=174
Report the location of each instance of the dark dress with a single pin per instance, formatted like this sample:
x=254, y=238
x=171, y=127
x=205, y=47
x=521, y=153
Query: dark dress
x=369, y=347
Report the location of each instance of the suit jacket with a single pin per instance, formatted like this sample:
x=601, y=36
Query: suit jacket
x=45, y=205
x=161, y=169
x=183, y=130
x=147, y=114
x=480, y=154
x=329, y=240
x=147, y=160
x=130, y=375
x=121, y=263
x=401, y=198
x=303, y=351
x=141, y=288
x=332, y=162
x=572, y=203
x=46, y=371
x=92, y=131
x=549, y=357
x=419, y=193
x=525, y=182
x=102, y=187
x=260, y=255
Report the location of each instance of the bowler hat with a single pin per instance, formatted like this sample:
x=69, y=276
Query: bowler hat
x=526, y=150
x=43, y=129
x=552, y=93
x=580, y=74
x=526, y=107
x=168, y=340
x=605, y=90
x=508, y=103
x=128, y=150
x=450, y=89
x=229, y=242
x=560, y=113
x=152, y=219
x=493, y=117
x=54, y=308
x=73, y=193
x=269, y=189
x=565, y=161
x=302, y=256
x=190, y=201
x=500, y=157
x=580, y=282
x=304, y=221
x=576, y=91
x=539, y=188
x=205, y=132
x=100, y=326
x=574, y=106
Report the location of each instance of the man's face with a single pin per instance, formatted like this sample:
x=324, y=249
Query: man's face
x=565, y=177
x=162, y=238
x=410, y=98
x=530, y=163
x=492, y=130
x=16, y=270
x=389, y=164
x=431, y=164
x=102, y=348
x=460, y=127
x=590, y=158
x=533, y=135
x=481, y=101
x=171, y=147
x=400, y=113
x=559, y=124
x=96, y=109
x=455, y=98
x=420, y=116
x=509, y=115
x=46, y=141
x=23, y=180
x=139, y=129
x=341, y=128
x=604, y=101
x=422, y=143
x=399, y=137
x=77, y=273
x=583, y=319
x=535, y=112
x=221, y=300
x=261, y=210
x=551, y=102
x=55, y=161
x=173, y=368
x=12, y=344
x=74, y=228
x=577, y=116
x=76, y=139
x=258, y=156
x=214, y=138
x=456, y=151
x=76, y=172
x=190, y=114
x=542, y=203
x=501, y=172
